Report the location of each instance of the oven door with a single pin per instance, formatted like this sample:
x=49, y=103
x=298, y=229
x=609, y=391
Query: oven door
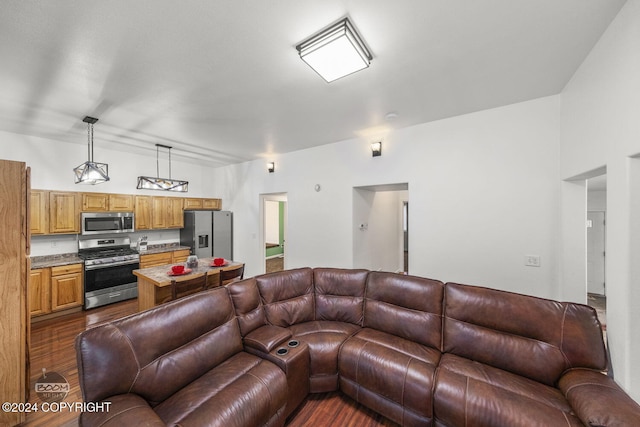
x=100, y=277
x=106, y=284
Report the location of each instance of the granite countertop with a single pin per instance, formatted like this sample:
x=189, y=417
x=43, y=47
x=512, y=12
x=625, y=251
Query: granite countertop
x=159, y=275
x=54, y=260
x=167, y=247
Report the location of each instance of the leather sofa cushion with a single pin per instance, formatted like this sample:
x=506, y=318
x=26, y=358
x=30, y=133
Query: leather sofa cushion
x=529, y=336
x=339, y=294
x=324, y=339
x=179, y=341
x=598, y=400
x=247, y=304
x=467, y=390
x=407, y=306
x=241, y=391
x=390, y=374
x=288, y=296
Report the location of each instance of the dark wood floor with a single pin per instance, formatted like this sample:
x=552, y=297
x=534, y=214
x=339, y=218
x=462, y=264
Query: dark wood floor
x=52, y=348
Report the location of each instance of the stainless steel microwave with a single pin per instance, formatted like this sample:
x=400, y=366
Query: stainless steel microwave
x=107, y=222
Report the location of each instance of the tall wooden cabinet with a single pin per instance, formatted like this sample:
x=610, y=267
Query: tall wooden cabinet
x=14, y=271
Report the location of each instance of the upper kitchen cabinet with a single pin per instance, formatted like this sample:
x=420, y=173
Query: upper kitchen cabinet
x=202, y=204
x=64, y=210
x=102, y=202
x=175, y=212
x=95, y=202
x=213, y=204
x=192, y=204
x=121, y=202
x=167, y=212
x=142, y=210
x=39, y=212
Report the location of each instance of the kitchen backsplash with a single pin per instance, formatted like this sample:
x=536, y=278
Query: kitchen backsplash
x=68, y=243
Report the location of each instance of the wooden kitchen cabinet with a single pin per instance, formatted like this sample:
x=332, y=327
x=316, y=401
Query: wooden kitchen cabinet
x=164, y=258
x=142, y=209
x=95, y=202
x=180, y=255
x=53, y=289
x=39, y=215
x=40, y=291
x=14, y=302
x=192, y=204
x=103, y=202
x=175, y=212
x=66, y=287
x=159, y=212
x=202, y=204
x=155, y=260
x=64, y=212
x=167, y=212
x=121, y=203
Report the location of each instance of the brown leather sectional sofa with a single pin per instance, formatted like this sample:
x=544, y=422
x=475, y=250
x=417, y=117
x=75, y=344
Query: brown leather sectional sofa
x=415, y=350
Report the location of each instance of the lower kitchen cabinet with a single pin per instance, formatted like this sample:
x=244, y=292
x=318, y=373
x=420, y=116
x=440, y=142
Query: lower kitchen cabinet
x=163, y=258
x=40, y=291
x=55, y=289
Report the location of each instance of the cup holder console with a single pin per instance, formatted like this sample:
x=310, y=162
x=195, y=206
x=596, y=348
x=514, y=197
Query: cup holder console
x=293, y=343
x=282, y=351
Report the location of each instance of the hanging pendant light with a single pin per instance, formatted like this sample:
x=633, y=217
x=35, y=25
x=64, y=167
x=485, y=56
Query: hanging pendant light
x=91, y=172
x=165, y=184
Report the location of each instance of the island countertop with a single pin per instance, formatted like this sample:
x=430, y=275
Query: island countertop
x=160, y=277
x=154, y=283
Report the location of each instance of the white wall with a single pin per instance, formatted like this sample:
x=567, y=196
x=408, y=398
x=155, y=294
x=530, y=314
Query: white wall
x=600, y=128
x=52, y=164
x=484, y=192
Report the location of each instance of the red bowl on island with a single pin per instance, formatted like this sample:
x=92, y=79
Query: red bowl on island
x=177, y=269
x=217, y=262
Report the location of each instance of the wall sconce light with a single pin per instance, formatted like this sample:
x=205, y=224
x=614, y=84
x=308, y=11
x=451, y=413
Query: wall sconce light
x=376, y=149
x=271, y=167
x=335, y=52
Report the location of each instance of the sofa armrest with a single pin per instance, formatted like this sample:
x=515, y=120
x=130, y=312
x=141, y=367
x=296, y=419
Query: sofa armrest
x=122, y=410
x=266, y=338
x=597, y=400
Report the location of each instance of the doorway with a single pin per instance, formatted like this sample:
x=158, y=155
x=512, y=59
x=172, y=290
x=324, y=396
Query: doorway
x=596, y=243
x=274, y=220
x=381, y=227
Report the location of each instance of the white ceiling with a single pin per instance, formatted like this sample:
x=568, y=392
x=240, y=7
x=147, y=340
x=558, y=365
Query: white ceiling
x=221, y=81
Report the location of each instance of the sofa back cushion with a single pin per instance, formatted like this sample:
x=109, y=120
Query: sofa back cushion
x=529, y=336
x=406, y=306
x=339, y=294
x=159, y=351
x=287, y=296
x=247, y=304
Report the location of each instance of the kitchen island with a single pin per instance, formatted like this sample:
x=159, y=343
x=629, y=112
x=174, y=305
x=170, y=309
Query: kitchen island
x=154, y=283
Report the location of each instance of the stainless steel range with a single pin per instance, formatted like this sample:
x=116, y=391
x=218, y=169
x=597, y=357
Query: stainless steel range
x=108, y=270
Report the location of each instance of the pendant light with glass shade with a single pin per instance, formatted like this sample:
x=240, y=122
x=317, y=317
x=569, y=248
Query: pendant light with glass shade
x=91, y=172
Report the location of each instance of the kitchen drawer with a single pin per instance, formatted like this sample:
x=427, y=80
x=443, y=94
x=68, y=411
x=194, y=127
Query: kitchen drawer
x=66, y=269
x=154, y=260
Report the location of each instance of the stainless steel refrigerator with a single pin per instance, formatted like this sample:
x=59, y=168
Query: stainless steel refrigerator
x=208, y=233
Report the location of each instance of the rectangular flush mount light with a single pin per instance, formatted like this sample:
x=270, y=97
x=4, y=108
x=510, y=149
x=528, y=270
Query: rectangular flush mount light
x=335, y=52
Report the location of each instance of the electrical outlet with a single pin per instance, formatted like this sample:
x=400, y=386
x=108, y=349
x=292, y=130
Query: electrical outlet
x=532, y=260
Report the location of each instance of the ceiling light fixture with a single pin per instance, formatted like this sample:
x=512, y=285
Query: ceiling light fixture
x=376, y=149
x=335, y=52
x=91, y=172
x=165, y=184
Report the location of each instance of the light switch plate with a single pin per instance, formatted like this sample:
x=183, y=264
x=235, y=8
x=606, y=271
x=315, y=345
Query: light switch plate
x=532, y=260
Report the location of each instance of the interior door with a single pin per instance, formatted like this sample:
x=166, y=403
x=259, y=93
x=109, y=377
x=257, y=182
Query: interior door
x=596, y=252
